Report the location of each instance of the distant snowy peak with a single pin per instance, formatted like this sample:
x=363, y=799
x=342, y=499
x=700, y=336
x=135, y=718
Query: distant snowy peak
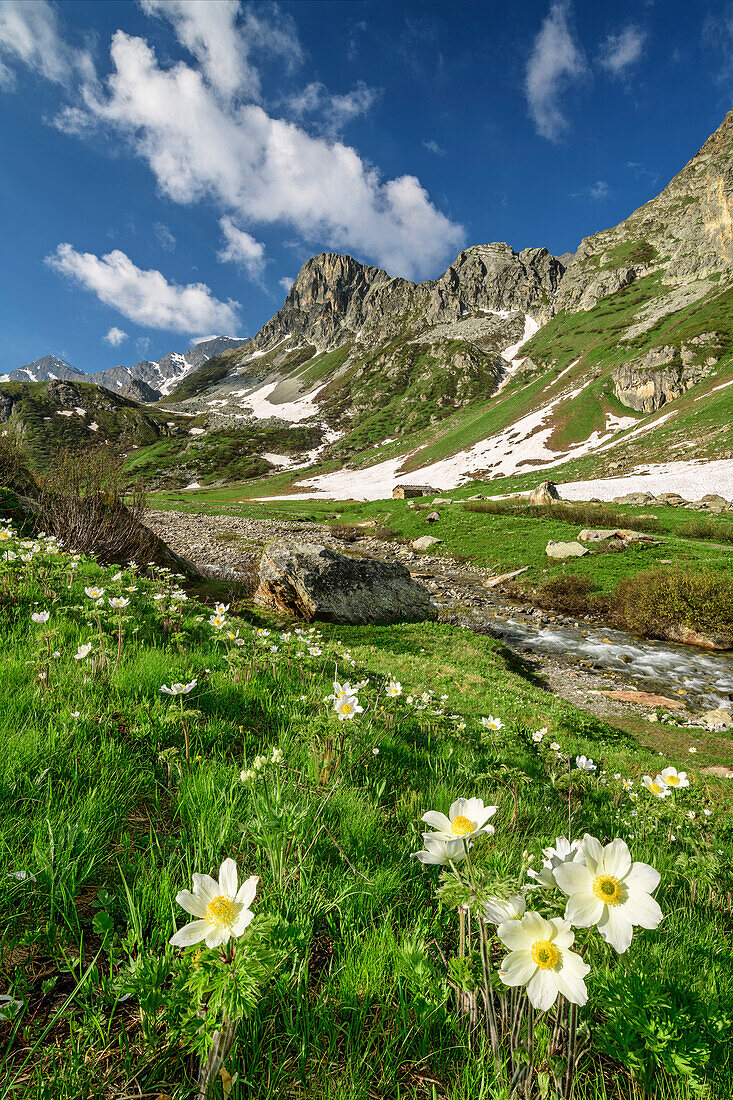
x=146, y=377
x=48, y=369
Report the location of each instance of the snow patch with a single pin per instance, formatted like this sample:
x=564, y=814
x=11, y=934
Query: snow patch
x=692, y=480
x=197, y=431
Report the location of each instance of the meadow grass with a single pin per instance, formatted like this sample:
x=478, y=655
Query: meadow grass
x=105, y=819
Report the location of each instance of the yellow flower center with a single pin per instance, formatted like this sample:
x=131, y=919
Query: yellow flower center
x=222, y=910
x=346, y=708
x=545, y=954
x=672, y=780
x=655, y=788
x=608, y=889
x=461, y=825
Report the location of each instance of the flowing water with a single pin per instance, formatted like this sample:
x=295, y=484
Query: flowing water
x=705, y=677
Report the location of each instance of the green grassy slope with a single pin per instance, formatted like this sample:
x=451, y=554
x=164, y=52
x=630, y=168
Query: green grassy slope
x=105, y=821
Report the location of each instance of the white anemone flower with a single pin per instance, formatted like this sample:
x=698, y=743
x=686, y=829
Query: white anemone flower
x=537, y=736
x=585, y=764
x=492, y=723
x=179, y=689
x=347, y=707
x=82, y=652
x=498, y=910
x=610, y=892
x=467, y=818
x=41, y=616
x=118, y=602
x=539, y=959
x=565, y=851
x=673, y=778
x=218, y=621
x=656, y=786
x=223, y=910
x=94, y=593
x=441, y=851
x=394, y=688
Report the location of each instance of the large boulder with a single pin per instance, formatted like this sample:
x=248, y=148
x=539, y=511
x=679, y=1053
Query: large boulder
x=313, y=582
x=544, y=493
x=425, y=543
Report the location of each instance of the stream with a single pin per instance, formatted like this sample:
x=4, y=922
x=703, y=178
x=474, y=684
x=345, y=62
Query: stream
x=703, y=679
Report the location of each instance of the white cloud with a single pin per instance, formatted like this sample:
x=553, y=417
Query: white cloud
x=115, y=337
x=145, y=297
x=266, y=170
x=29, y=35
x=286, y=282
x=620, y=51
x=241, y=249
x=164, y=235
x=597, y=191
x=212, y=31
x=556, y=62
x=332, y=112
x=433, y=147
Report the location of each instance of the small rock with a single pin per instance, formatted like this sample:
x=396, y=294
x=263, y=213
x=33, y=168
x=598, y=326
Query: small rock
x=425, y=543
x=432, y=517
x=565, y=549
x=544, y=493
x=718, y=719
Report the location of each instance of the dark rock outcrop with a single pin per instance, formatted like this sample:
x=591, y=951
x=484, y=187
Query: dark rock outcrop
x=312, y=582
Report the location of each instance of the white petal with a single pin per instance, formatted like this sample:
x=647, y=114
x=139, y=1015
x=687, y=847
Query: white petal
x=615, y=928
x=245, y=917
x=563, y=935
x=616, y=858
x=514, y=936
x=247, y=891
x=194, y=905
x=542, y=989
x=569, y=978
x=517, y=968
x=458, y=807
x=572, y=877
x=642, y=877
x=593, y=851
x=228, y=879
x=194, y=932
x=207, y=886
x=217, y=936
x=584, y=909
x=437, y=820
x=642, y=909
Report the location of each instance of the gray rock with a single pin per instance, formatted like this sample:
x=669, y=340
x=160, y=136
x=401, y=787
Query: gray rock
x=312, y=582
x=433, y=517
x=718, y=719
x=565, y=550
x=425, y=543
x=589, y=535
x=651, y=380
x=544, y=493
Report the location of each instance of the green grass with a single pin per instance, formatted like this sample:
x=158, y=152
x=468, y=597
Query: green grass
x=358, y=1005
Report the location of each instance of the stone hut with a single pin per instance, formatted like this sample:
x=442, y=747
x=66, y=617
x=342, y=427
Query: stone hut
x=406, y=492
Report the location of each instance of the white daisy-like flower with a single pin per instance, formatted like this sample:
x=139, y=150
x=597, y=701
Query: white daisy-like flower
x=441, y=851
x=554, y=746
x=673, y=778
x=537, y=736
x=692, y=749
x=217, y=621
x=347, y=707
x=492, y=723
x=277, y=755
x=118, y=602
x=393, y=689
x=83, y=651
x=179, y=689
x=315, y=651
x=222, y=909
x=41, y=616
x=656, y=786
x=498, y=910
x=466, y=818
x=94, y=593
x=610, y=892
x=541, y=960
x=585, y=764
x=564, y=851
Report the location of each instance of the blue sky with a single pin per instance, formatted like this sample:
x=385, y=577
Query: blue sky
x=168, y=166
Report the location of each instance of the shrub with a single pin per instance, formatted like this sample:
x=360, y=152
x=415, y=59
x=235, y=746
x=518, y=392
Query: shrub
x=583, y=513
x=699, y=598
x=84, y=502
x=15, y=470
x=571, y=594
x=706, y=528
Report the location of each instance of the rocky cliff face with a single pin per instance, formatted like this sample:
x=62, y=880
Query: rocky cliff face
x=663, y=374
x=685, y=233
x=335, y=298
